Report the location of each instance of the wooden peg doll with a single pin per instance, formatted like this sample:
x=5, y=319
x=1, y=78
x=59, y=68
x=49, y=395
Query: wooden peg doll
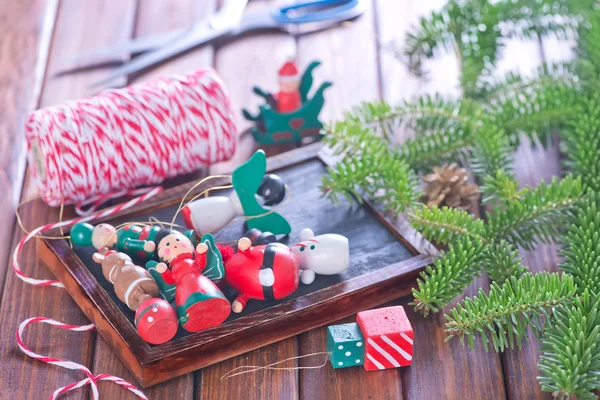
x=210, y=214
x=133, y=285
x=200, y=303
x=327, y=254
x=135, y=240
x=267, y=272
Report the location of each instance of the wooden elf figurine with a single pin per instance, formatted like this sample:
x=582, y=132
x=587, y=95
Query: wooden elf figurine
x=288, y=98
x=267, y=272
x=136, y=240
x=157, y=322
x=200, y=303
x=210, y=214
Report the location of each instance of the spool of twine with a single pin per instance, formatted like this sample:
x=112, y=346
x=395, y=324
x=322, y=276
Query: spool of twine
x=130, y=137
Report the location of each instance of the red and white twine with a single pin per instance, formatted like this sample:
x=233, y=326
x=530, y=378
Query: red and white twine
x=91, y=379
x=89, y=151
x=130, y=137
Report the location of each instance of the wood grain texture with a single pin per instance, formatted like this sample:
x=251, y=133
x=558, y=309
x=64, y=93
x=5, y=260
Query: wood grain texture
x=251, y=61
x=349, y=59
x=434, y=366
x=533, y=163
x=153, y=17
x=78, y=27
x=24, y=47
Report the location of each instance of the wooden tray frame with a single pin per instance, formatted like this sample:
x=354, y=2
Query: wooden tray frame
x=154, y=364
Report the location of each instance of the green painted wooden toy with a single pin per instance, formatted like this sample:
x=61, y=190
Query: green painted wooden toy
x=289, y=116
x=210, y=214
x=345, y=345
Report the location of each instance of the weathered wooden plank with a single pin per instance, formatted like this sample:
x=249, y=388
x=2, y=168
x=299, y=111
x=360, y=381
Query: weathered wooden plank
x=349, y=58
x=247, y=62
x=434, y=373
x=533, y=163
x=24, y=46
x=154, y=17
x=242, y=64
x=79, y=26
x=263, y=384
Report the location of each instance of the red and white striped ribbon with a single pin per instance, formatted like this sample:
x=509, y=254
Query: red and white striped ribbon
x=91, y=379
x=101, y=214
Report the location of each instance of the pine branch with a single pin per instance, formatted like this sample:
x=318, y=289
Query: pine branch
x=445, y=225
x=535, y=111
x=501, y=187
x=491, y=151
x=503, y=316
x=537, y=215
x=449, y=275
x=582, y=244
x=570, y=359
x=370, y=166
x=582, y=142
x=503, y=262
x=435, y=148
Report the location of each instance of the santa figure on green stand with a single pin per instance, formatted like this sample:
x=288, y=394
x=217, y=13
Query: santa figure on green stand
x=288, y=98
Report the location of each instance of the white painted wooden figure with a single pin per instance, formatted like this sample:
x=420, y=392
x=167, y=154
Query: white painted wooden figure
x=327, y=254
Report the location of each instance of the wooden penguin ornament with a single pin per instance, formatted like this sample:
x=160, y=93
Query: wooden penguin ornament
x=134, y=286
x=327, y=254
x=210, y=214
x=200, y=303
x=266, y=272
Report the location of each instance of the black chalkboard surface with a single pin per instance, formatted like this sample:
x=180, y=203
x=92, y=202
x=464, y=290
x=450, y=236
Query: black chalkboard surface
x=372, y=245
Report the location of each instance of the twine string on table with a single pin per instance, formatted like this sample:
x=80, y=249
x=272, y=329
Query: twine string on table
x=91, y=379
x=255, y=368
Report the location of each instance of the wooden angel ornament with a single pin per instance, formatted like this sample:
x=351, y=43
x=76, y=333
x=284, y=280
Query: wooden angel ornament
x=210, y=214
x=135, y=287
x=267, y=272
x=200, y=303
x=327, y=254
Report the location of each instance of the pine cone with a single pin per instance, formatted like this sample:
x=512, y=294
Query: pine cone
x=447, y=186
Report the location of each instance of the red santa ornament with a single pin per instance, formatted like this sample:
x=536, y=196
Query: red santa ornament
x=288, y=98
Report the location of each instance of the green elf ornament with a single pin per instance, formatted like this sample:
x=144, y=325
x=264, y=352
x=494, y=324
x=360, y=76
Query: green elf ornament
x=136, y=241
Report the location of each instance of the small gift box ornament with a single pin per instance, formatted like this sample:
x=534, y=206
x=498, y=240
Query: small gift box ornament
x=380, y=339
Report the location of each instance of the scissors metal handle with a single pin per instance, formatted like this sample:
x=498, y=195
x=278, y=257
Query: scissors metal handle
x=313, y=11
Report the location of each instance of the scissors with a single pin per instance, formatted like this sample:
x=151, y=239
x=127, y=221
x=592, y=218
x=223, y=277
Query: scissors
x=229, y=22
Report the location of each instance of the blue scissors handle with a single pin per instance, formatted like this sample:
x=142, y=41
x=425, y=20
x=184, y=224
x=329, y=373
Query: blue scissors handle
x=313, y=11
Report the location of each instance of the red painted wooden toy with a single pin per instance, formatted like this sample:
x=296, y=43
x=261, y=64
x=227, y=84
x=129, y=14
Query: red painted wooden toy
x=135, y=287
x=261, y=272
x=200, y=303
x=388, y=338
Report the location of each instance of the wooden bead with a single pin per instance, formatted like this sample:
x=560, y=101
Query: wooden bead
x=156, y=321
x=345, y=345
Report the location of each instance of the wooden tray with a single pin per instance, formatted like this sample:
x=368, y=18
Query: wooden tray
x=386, y=257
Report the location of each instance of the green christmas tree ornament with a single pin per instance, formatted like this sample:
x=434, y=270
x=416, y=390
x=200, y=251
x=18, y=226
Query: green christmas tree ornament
x=210, y=214
x=290, y=115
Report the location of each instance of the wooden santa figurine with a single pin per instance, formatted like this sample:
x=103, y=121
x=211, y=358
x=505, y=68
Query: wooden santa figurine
x=135, y=287
x=267, y=272
x=200, y=303
x=288, y=98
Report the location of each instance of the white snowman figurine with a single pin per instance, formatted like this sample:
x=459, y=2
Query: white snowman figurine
x=327, y=254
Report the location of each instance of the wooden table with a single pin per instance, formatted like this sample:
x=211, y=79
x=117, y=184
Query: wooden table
x=37, y=36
